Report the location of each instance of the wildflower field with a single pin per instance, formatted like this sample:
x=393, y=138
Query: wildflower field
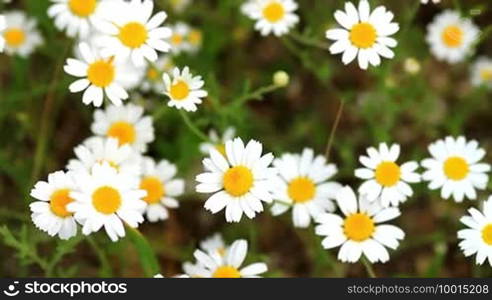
x=245, y=138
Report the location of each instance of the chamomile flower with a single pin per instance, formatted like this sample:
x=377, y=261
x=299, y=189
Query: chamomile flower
x=239, y=181
x=133, y=33
x=19, y=34
x=178, y=39
x=194, y=39
x=477, y=239
x=153, y=76
x=125, y=123
x=213, y=265
x=303, y=185
x=359, y=230
x=98, y=75
x=385, y=179
x=161, y=187
x=183, y=89
x=451, y=36
x=455, y=168
x=107, y=198
x=272, y=16
x=216, y=142
x=481, y=72
x=214, y=243
x=365, y=35
x=98, y=150
x=76, y=17
x=2, y=28
x=50, y=213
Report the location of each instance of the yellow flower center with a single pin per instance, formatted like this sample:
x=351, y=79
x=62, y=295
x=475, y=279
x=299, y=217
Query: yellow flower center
x=195, y=37
x=486, y=75
x=456, y=168
x=180, y=90
x=176, y=39
x=82, y=8
x=221, y=149
x=274, y=12
x=101, y=73
x=388, y=173
x=358, y=227
x=59, y=201
x=152, y=74
x=363, y=35
x=487, y=234
x=301, y=189
x=133, y=35
x=14, y=37
x=123, y=131
x=238, y=181
x=106, y=200
x=155, y=189
x=226, y=272
x=452, y=36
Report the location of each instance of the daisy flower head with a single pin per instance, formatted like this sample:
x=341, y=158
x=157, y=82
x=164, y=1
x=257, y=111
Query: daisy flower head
x=216, y=142
x=98, y=150
x=451, y=37
x=19, y=34
x=2, y=28
x=75, y=17
x=239, y=181
x=272, y=16
x=152, y=80
x=195, y=39
x=360, y=230
x=303, y=185
x=179, y=38
x=98, y=76
x=477, y=238
x=214, y=243
x=455, y=168
x=481, y=72
x=162, y=188
x=125, y=123
x=364, y=35
x=133, y=33
x=107, y=198
x=183, y=89
x=385, y=178
x=50, y=212
x=213, y=265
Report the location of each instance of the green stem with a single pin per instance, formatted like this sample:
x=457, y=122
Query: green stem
x=338, y=117
x=368, y=266
x=256, y=95
x=309, y=42
x=101, y=255
x=192, y=126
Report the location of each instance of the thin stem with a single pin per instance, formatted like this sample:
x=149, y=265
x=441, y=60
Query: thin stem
x=369, y=268
x=106, y=267
x=256, y=95
x=192, y=126
x=338, y=117
x=308, y=42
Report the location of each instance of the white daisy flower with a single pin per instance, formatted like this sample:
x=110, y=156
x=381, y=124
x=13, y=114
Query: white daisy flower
x=161, y=187
x=99, y=76
x=385, y=179
x=50, y=213
x=19, y=34
x=359, y=231
x=364, y=35
x=184, y=90
x=3, y=25
x=98, y=150
x=477, y=239
x=303, y=185
x=239, y=181
x=153, y=76
x=481, y=72
x=455, y=168
x=194, y=39
x=216, y=142
x=451, y=37
x=213, y=265
x=214, y=243
x=427, y=1
x=125, y=123
x=272, y=16
x=75, y=17
x=133, y=32
x=178, y=40
x=107, y=198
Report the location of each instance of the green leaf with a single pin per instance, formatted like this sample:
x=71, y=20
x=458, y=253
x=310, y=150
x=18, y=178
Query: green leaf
x=148, y=260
